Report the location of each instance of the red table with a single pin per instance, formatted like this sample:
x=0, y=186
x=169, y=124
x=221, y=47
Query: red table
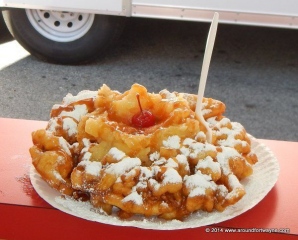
x=24, y=215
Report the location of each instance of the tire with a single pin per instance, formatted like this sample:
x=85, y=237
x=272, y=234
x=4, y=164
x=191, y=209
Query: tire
x=63, y=37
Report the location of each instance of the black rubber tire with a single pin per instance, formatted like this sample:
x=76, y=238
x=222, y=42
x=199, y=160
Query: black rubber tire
x=87, y=48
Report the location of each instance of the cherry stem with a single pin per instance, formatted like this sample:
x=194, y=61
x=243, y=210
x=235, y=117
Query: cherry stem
x=139, y=102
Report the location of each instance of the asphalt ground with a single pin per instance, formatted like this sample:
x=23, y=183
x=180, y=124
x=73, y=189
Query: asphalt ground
x=254, y=71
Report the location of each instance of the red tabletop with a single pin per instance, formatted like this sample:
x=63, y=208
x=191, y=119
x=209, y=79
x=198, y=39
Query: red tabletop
x=24, y=215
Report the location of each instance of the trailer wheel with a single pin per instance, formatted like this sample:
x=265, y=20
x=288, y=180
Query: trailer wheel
x=63, y=37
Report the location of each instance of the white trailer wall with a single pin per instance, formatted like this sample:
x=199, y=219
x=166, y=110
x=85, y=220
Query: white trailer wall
x=278, y=7
x=274, y=13
x=113, y=7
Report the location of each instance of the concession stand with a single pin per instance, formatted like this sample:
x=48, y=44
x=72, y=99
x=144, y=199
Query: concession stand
x=25, y=215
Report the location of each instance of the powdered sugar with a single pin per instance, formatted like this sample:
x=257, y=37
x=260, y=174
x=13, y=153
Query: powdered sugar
x=77, y=113
x=85, y=94
x=58, y=176
x=116, y=153
x=52, y=125
x=171, y=176
x=172, y=142
x=145, y=175
x=182, y=160
x=86, y=156
x=200, y=136
x=154, y=156
x=224, y=156
x=266, y=170
x=171, y=163
x=123, y=166
x=177, y=168
x=209, y=163
x=196, y=148
x=198, y=183
x=133, y=197
x=168, y=95
x=168, y=170
x=70, y=126
x=65, y=145
x=236, y=187
x=91, y=167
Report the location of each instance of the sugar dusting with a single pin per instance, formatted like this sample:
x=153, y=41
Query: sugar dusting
x=82, y=95
x=134, y=197
x=70, y=126
x=197, y=183
x=266, y=170
x=91, y=167
x=172, y=142
x=123, y=166
x=116, y=153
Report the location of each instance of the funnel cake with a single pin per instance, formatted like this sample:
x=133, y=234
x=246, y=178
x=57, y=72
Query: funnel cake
x=91, y=151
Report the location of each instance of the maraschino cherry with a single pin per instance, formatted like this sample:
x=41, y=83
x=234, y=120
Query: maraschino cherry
x=144, y=118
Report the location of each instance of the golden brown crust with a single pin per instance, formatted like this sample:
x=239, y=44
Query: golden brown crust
x=91, y=147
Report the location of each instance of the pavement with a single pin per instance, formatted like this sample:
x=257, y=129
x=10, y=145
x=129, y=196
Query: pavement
x=254, y=71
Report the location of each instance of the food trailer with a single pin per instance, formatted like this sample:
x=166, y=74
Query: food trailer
x=69, y=32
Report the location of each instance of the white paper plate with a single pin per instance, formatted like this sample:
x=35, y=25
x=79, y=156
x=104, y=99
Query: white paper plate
x=257, y=186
